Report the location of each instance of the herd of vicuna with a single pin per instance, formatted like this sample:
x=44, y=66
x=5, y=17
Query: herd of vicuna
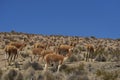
x=59, y=54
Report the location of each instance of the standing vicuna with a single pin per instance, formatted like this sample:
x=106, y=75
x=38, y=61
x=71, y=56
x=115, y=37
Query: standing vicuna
x=44, y=53
x=39, y=45
x=64, y=49
x=18, y=45
x=11, y=52
x=36, y=52
x=54, y=58
x=90, y=52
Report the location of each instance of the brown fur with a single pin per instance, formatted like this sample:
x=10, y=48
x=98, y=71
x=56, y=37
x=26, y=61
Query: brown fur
x=39, y=45
x=45, y=52
x=56, y=58
x=90, y=51
x=18, y=45
x=36, y=51
x=63, y=49
x=11, y=51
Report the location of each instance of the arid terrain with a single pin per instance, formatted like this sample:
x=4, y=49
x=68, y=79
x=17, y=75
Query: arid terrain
x=103, y=63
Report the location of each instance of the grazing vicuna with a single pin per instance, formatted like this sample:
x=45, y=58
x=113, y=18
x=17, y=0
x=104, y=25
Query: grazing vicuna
x=18, y=45
x=39, y=45
x=45, y=52
x=64, y=49
x=36, y=52
x=54, y=58
x=11, y=52
x=90, y=52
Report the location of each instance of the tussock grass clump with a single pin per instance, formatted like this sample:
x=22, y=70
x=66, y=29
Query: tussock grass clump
x=101, y=58
x=59, y=76
x=48, y=75
x=1, y=72
x=36, y=66
x=73, y=76
x=105, y=75
x=79, y=69
x=73, y=58
x=29, y=74
x=19, y=76
x=24, y=54
x=12, y=75
x=26, y=65
x=39, y=76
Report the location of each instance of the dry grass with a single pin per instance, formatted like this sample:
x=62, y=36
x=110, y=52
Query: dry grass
x=71, y=70
x=105, y=75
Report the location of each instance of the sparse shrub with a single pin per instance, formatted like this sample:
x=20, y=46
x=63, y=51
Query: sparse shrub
x=105, y=75
x=19, y=76
x=100, y=55
x=36, y=66
x=12, y=31
x=26, y=65
x=73, y=58
x=117, y=54
x=39, y=76
x=10, y=75
x=1, y=73
x=29, y=74
x=48, y=75
x=80, y=69
x=59, y=76
x=114, y=55
x=24, y=55
x=76, y=51
x=17, y=64
x=74, y=69
x=81, y=66
x=87, y=39
x=81, y=49
x=54, y=67
x=118, y=39
x=69, y=70
x=100, y=58
x=99, y=72
x=73, y=76
x=93, y=37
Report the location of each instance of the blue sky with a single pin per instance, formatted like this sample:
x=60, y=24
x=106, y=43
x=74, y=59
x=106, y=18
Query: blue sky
x=99, y=18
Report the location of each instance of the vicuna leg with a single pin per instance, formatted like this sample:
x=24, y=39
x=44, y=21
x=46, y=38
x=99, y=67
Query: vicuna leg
x=6, y=56
x=58, y=68
x=46, y=67
x=87, y=56
x=9, y=56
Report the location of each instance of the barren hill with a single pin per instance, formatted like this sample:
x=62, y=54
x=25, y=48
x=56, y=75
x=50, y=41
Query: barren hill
x=105, y=67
